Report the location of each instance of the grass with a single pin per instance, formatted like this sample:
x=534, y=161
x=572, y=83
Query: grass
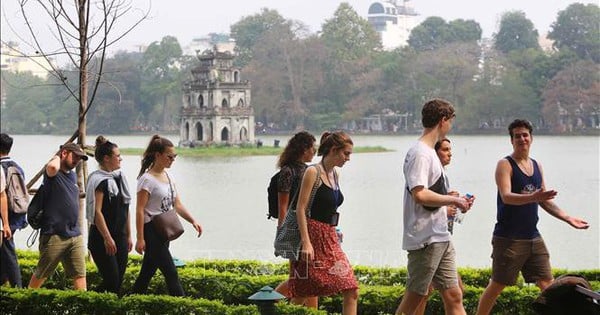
x=232, y=151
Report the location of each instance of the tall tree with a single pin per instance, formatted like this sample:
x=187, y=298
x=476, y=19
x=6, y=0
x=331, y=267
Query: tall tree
x=351, y=43
x=161, y=75
x=576, y=28
x=572, y=97
x=248, y=30
x=516, y=32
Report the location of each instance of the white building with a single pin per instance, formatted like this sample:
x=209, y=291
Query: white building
x=12, y=59
x=393, y=22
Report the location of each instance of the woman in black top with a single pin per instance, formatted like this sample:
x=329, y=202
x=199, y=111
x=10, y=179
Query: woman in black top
x=108, y=214
x=292, y=162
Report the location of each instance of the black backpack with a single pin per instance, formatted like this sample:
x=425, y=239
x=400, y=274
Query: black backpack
x=272, y=197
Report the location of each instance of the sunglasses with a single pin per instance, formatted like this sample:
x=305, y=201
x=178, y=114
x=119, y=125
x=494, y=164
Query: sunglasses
x=172, y=156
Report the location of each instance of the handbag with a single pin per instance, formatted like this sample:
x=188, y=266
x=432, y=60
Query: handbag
x=287, y=238
x=167, y=224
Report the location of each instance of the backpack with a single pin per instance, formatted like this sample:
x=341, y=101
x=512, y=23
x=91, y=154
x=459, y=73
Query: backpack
x=272, y=197
x=16, y=189
x=562, y=297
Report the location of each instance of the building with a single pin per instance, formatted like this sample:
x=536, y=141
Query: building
x=216, y=103
x=13, y=59
x=393, y=22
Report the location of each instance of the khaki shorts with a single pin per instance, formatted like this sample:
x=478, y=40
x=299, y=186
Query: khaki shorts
x=435, y=263
x=531, y=257
x=70, y=251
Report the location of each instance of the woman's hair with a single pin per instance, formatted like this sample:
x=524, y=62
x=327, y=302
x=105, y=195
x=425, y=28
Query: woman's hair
x=295, y=148
x=332, y=141
x=438, y=144
x=157, y=144
x=103, y=148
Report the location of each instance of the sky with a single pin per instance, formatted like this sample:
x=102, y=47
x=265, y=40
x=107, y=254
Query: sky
x=188, y=19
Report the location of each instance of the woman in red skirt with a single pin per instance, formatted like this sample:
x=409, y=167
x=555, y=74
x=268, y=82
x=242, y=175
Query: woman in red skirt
x=323, y=268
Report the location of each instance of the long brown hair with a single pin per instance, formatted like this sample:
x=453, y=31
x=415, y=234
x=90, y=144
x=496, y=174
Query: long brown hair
x=295, y=148
x=157, y=144
x=332, y=141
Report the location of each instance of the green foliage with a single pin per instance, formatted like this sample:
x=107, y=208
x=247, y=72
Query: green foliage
x=434, y=33
x=576, y=28
x=223, y=286
x=516, y=33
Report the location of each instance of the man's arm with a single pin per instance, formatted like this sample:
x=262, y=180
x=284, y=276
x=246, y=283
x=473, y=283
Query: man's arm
x=53, y=166
x=554, y=210
x=430, y=198
x=503, y=181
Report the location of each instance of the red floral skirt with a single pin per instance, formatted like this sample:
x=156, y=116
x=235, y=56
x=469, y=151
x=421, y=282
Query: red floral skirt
x=329, y=272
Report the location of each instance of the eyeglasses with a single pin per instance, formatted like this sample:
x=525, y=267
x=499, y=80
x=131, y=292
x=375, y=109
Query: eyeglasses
x=172, y=156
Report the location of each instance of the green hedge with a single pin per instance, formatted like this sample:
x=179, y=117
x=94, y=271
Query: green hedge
x=59, y=302
x=231, y=282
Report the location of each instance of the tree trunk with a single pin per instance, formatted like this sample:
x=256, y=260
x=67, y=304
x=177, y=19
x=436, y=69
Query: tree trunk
x=83, y=103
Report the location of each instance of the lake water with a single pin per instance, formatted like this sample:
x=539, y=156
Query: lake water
x=228, y=197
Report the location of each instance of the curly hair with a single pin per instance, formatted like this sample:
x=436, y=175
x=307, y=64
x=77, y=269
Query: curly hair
x=295, y=148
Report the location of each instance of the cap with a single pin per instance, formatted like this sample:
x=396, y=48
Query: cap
x=76, y=149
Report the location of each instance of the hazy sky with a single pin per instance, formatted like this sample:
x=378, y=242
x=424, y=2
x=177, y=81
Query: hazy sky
x=187, y=19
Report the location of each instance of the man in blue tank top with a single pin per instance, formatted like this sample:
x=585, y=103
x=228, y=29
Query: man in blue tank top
x=517, y=244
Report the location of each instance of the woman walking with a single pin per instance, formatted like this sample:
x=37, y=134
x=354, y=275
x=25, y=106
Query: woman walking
x=107, y=211
x=323, y=268
x=292, y=163
x=157, y=193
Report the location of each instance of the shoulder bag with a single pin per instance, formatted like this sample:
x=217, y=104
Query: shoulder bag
x=287, y=239
x=167, y=224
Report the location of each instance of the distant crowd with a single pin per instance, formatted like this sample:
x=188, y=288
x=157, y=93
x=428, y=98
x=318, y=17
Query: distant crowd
x=306, y=201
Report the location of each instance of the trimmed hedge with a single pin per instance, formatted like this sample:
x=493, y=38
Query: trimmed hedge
x=231, y=282
x=59, y=302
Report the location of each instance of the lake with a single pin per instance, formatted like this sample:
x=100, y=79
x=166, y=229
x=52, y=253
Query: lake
x=228, y=196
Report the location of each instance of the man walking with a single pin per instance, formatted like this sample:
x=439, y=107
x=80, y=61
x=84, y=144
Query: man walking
x=9, y=265
x=431, y=256
x=61, y=239
x=517, y=243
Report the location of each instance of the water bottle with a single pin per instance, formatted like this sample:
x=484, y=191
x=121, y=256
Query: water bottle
x=340, y=235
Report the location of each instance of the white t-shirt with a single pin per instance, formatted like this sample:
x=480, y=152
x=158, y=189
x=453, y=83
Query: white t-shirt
x=161, y=195
x=422, y=167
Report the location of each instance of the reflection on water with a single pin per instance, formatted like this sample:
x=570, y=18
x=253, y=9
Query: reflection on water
x=228, y=196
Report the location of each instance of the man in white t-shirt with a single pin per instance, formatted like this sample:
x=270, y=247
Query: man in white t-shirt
x=431, y=256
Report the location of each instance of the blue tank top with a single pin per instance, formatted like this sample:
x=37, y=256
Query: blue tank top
x=519, y=222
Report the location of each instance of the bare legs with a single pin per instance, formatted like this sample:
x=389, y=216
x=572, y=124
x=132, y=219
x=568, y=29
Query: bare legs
x=452, y=302
x=493, y=290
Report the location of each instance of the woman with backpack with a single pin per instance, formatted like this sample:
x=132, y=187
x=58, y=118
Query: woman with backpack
x=107, y=211
x=323, y=268
x=299, y=150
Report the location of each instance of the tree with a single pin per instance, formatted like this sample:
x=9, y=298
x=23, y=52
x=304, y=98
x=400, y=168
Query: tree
x=351, y=43
x=576, y=28
x=571, y=98
x=434, y=33
x=247, y=31
x=516, y=33
x=161, y=75
x=83, y=31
